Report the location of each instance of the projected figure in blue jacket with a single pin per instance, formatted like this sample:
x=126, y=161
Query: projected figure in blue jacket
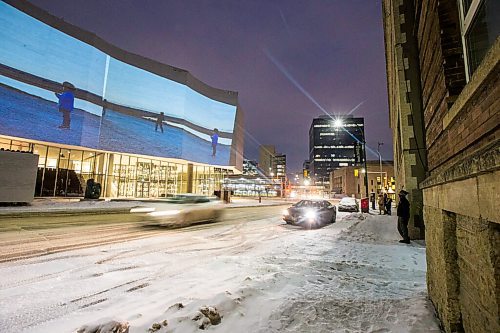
x=215, y=140
x=66, y=103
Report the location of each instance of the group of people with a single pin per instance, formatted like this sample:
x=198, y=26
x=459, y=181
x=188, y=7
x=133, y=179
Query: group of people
x=384, y=204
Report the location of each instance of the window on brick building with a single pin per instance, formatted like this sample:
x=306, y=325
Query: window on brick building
x=480, y=26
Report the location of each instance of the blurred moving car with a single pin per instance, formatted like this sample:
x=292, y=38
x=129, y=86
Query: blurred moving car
x=310, y=213
x=181, y=210
x=348, y=204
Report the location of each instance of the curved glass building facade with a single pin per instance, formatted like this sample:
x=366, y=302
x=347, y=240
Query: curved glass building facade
x=92, y=110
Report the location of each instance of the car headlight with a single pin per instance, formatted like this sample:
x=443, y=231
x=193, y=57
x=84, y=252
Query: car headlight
x=310, y=214
x=285, y=212
x=165, y=213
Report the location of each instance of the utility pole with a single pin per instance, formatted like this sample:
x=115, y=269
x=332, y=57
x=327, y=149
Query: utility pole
x=380, y=162
x=366, y=168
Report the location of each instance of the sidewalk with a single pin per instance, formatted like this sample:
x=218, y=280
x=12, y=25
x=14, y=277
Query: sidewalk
x=74, y=206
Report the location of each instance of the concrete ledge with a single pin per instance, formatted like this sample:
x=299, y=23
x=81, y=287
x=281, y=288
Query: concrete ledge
x=483, y=161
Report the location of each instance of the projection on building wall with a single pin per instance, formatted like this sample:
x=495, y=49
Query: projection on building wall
x=56, y=88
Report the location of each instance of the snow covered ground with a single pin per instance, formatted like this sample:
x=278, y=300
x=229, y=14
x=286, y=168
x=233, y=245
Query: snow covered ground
x=252, y=276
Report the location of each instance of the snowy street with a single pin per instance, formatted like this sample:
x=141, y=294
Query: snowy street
x=258, y=274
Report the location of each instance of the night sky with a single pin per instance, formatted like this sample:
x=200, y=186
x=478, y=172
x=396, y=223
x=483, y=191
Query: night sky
x=290, y=60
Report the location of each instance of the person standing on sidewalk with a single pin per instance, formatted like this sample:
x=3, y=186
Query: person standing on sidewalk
x=381, y=204
x=403, y=216
x=388, y=206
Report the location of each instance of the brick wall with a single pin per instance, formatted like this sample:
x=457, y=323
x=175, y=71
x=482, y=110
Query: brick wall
x=442, y=267
x=405, y=105
x=461, y=187
x=478, y=249
x=442, y=74
x=473, y=127
x=463, y=248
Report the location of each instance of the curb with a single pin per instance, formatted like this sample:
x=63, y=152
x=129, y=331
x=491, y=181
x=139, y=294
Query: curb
x=64, y=212
x=271, y=205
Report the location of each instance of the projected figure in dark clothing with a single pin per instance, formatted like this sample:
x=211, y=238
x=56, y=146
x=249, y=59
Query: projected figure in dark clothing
x=159, y=122
x=215, y=140
x=66, y=103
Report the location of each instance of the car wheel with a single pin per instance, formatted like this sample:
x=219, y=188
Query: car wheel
x=186, y=220
x=217, y=217
x=334, y=218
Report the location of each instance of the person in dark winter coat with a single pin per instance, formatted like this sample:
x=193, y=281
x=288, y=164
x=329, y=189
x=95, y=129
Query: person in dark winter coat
x=385, y=203
x=388, y=206
x=403, y=216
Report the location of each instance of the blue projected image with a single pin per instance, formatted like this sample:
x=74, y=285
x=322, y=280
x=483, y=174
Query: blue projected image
x=183, y=120
x=35, y=60
x=76, y=94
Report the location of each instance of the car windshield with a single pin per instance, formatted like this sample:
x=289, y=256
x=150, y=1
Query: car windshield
x=348, y=201
x=312, y=204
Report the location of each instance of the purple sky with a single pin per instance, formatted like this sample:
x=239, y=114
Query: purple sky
x=333, y=49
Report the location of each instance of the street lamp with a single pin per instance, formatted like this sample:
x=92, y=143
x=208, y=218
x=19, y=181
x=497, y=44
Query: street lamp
x=338, y=123
x=380, y=161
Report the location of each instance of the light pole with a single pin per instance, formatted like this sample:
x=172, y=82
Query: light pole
x=338, y=123
x=380, y=162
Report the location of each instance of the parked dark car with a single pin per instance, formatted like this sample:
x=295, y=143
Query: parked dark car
x=348, y=205
x=310, y=213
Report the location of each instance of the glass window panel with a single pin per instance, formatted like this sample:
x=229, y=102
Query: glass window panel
x=482, y=33
x=132, y=167
x=4, y=144
x=19, y=146
x=41, y=151
x=49, y=178
x=75, y=162
x=64, y=158
x=75, y=183
x=52, y=157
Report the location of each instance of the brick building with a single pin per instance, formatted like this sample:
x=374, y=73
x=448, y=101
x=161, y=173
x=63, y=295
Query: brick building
x=443, y=66
x=350, y=180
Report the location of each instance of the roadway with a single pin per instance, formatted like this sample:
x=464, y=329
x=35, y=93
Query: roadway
x=258, y=273
x=41, y=235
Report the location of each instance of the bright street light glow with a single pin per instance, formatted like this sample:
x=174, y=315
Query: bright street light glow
x=306, y=182
x=338, y=123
